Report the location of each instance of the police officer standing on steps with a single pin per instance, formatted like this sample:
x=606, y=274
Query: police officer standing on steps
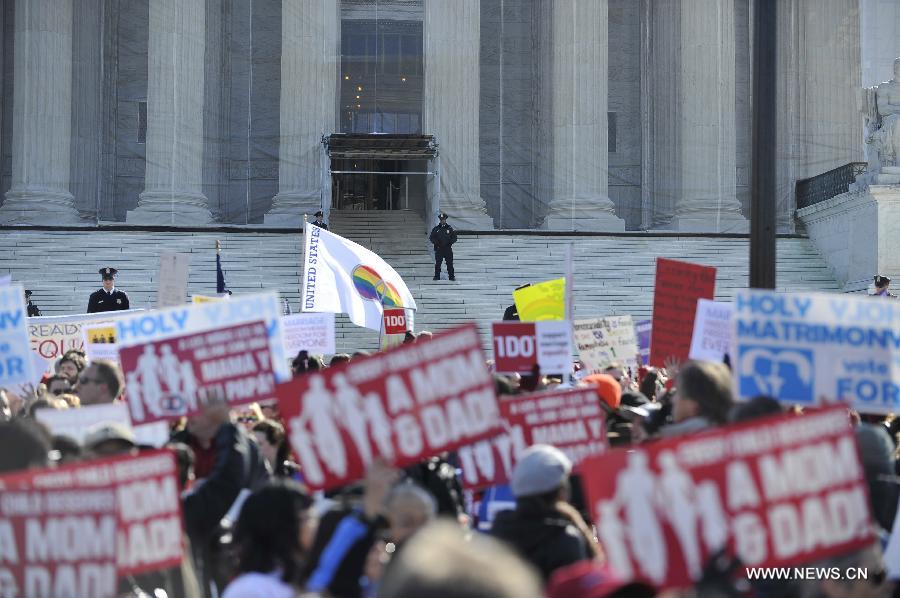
x=109, y=298
x=443, y=236
x=32, y=308
x=319, y=222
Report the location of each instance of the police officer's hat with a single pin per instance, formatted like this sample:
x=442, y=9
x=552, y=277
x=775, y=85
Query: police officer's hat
x=882, y=281
x=442, y=216
x=27, y=293
x=107, y=273
x=319, y=213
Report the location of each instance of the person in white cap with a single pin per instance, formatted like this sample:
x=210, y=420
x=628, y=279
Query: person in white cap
x=107, y=439
x=544, y=529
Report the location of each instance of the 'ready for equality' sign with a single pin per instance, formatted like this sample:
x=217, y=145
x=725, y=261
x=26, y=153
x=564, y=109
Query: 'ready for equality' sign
x=403, y=405
x=804, y=348
x=602, y=342
x=570, y=420
x=52, y=336
x=777, y=492
x=678, y=287
x=74, y=530
x=178, y=376
x=519, y=346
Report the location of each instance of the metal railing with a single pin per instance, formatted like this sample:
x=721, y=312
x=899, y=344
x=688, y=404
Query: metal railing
x=828, y=184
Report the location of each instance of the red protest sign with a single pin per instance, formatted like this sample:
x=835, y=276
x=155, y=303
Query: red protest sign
x=678, y=287
x=571, y=420
x=403, y=405
x=76, y=529
x=394, y=321
x=174, y=377
x=776, y=492
x=149, y=508
x=515, y=346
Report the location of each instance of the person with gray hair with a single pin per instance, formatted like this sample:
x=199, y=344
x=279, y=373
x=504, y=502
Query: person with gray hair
x=408, y=508
x=441, y=561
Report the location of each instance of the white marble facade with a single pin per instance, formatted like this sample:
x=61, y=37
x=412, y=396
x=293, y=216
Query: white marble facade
x=518, y=94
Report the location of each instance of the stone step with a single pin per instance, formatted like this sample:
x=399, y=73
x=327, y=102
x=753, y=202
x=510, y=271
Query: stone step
x=613, y=275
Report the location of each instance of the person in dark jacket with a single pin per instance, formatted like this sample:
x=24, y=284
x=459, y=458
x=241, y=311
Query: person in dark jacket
x=33, y=309
x=443, y=237
x=109, y=298
x=237, y=465
x=319, y=222
x=544, y=529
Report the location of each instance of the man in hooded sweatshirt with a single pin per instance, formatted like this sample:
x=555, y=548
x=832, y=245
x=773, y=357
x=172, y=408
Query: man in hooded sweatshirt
x=544, y=528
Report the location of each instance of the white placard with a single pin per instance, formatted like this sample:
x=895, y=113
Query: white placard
x=76, y=422
x=311, y=332
x=173, y=278
x=604, y=341
x=712, y=331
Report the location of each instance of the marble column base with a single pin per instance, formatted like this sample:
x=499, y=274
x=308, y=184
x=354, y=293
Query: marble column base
x=710, y=222
x=167, y=209
x=288, y=209
x=603, y=223
x=37, y=206
x=583, y=215
x=466, y=213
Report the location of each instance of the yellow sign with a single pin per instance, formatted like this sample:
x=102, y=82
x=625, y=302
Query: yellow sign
x=106, y=335
x=542, y=301
x=206, y=299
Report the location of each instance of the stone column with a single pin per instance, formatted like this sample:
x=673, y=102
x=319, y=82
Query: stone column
x=708, y=200
x=173, y=192
x=788, y=125
x=42, y=116
x=661, y=44
x=579, y=63
x=831, y=126
x=310, y=61
x=451, y=104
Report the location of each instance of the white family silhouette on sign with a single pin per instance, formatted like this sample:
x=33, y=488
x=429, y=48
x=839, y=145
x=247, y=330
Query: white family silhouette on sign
x=649, y=501
x=316, y=432
x=162, y=384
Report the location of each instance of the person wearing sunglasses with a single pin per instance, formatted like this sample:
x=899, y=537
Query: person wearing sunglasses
x=99, y=383
x=58, y=385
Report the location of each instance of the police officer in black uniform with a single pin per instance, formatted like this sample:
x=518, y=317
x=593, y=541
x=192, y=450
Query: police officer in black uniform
x=319, y=222
x=32, y=308
x=443, y=236
x=109, y=298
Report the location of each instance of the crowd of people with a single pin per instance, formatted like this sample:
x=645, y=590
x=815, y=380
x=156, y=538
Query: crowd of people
x=252, y=529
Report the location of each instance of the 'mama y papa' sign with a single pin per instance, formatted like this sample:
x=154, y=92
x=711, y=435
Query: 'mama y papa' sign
x=808, y=348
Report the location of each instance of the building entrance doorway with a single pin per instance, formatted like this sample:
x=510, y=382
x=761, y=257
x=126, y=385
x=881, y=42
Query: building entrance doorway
x=379, y=172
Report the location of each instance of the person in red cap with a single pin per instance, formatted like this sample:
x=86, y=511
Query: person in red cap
x=608, y=389
x=589, y=579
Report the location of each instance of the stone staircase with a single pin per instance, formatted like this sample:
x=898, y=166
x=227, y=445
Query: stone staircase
x=613, y=274
x=889, y=175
